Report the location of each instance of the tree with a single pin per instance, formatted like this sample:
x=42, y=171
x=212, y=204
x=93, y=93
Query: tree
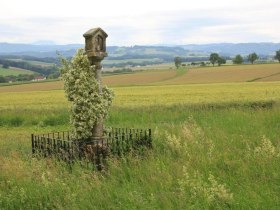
x=277, y=56
x=238, y=59
x=54, y=75
x=177, y=61
x=221, y=60
x=6, y=66
x=214, y=58
x=2, y=79
x=253, y=57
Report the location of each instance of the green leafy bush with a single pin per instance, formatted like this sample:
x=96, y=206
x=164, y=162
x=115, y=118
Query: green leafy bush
x=82, y=90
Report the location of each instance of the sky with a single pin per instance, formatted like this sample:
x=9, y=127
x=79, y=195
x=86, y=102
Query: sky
x=141, y=22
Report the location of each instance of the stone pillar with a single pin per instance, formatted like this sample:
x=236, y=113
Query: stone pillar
x=95, y=48
x=97, y=130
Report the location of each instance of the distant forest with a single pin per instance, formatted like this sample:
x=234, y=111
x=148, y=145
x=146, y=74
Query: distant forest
x=43, y=70
x=29, y=56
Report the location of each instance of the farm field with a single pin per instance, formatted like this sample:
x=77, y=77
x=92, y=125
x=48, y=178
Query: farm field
x=215, y=146
x=139, y=78
x=144, y=96
x=31, y=86
x=232, y=73
x=38, y=63
x=12, y=71
x=274, y=77
x=223, y=74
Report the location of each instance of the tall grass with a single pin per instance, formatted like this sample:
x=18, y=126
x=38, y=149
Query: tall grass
x=203, y=158
x=214, y=147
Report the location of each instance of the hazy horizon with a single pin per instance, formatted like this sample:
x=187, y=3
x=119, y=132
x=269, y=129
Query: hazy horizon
x=38, y=43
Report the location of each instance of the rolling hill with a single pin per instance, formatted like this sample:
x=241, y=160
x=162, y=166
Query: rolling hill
x=200, y=75
x=14, y=71
x=124, y=52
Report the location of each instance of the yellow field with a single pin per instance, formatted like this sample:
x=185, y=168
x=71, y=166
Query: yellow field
x=136, y=96
x=196, y=94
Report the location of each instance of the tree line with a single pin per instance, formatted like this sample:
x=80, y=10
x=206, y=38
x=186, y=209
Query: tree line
x=18, y=78
x=215, y=58
x=43, y=70
x=238, y=59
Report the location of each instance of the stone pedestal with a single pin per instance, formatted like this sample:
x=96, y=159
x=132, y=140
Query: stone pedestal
x=95, y=48
x=97, y=130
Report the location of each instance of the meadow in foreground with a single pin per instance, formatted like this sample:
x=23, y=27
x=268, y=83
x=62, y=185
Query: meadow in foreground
x=216, y=147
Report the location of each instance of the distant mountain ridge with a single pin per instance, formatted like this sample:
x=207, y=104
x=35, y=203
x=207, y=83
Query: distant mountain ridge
x=225, y=49
x=10, y=48
x=231, y=49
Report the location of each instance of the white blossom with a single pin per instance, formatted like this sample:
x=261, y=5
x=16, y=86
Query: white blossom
x=81, y=90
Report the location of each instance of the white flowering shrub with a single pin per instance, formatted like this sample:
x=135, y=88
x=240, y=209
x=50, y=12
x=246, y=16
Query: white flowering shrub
x=82, y=91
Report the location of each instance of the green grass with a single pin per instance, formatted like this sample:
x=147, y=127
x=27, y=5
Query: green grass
x=37, y=63
x=220, y=142
x=28, y=82
x=13, y=71
x=216, y=156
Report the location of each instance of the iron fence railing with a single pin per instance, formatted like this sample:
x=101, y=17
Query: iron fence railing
x=117, y=141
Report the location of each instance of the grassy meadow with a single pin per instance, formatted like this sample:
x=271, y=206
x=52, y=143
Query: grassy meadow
x=12, y=71
x=215, y=146
x=38, y=63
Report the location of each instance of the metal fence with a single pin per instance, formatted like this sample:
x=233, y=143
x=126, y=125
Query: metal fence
x=118, y=141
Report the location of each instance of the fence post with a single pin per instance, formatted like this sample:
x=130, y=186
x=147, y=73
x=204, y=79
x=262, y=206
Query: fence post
x=48, y=146
x=150, y=138
x=54, y=146
x=44, y=146
x=32, y=142
x=122, y=139
x=36, y=143
x=117, y=144
x=130, y=139
x=109, y=138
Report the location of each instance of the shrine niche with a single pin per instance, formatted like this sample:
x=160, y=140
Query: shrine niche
x=95, y=43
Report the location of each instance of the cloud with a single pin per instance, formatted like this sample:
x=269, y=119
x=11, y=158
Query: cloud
x=141, y=22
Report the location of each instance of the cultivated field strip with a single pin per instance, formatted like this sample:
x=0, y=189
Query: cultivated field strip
x=137, y=96
x=200, y=75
